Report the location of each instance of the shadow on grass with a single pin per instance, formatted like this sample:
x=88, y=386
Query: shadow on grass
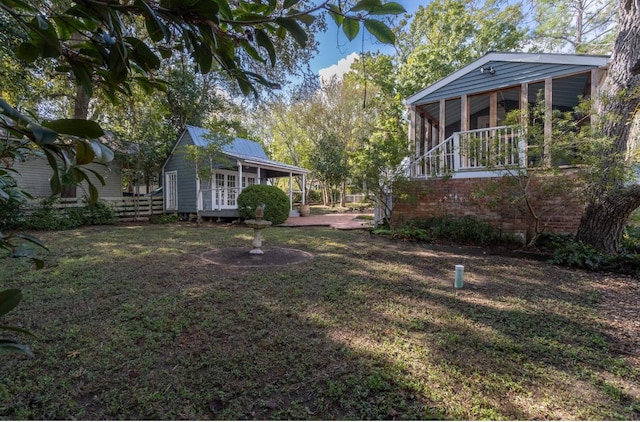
x=132, y=324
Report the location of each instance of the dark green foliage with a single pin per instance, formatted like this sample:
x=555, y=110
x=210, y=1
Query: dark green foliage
x=275, y=200
x=575, y=254
x=460, y=230
x=570, y=253
x=313, y=197
x=631, y=239
x=164, y=219
x=553, y=241
x=47, y=217
x=11, y=212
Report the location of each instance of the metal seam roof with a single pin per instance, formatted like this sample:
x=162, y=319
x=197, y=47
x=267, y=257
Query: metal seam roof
x=242, y=149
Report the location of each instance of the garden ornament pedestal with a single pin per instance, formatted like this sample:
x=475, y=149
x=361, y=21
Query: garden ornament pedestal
x=257, y=224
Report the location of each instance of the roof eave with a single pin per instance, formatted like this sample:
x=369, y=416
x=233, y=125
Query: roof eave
x=577, y=59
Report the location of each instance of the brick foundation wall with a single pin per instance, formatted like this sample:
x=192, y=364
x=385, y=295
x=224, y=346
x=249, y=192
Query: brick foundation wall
x=499, y=201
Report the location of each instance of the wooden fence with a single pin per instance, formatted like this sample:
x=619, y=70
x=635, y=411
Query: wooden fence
x=127, y=208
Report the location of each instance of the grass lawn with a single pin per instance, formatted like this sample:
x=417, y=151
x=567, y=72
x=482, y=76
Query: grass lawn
x=132, y=323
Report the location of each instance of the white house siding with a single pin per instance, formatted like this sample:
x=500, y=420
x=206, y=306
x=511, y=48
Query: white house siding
x=34, y=174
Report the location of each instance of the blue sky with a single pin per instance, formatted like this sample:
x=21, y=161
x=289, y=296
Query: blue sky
x=335, y=46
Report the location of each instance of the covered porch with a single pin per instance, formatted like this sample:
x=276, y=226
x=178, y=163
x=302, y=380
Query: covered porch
x=217, y=196
x=458, y=126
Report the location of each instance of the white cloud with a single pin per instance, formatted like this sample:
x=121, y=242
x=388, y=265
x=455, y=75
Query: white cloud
x=339, y=69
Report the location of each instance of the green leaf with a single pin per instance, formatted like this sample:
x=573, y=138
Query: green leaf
x=118, y=61
x=264, y=41
x=380, y=31
x=142, y=54
x=16, y=330
x=42, y=23
x=83, y=76
x=93, y=194
x=338, y=18
x=18, y=4
x=84, y=153
x=350, y=27
x=95, y=173
x=225, y=10
x=289, y=3
x=9, y=299
x=41, y=134
x=7, y=346
x=76, y=127
x=252, y=52
x=207, y=9
x=31, y=239
x=14, y=114
x=103, y=154
x=391, y=8
x=294, y=29
x=27, y=52
x=366, y=5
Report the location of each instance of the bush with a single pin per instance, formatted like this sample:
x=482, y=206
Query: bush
x=579, y=255
x=99, y=213
x=313, y=196
x=47, y=217
x=11, y=211
x=460, y=230
x=276, y=203
x=164, y=218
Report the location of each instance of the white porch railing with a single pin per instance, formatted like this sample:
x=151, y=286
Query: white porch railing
x=473, y=153
x=218, y=199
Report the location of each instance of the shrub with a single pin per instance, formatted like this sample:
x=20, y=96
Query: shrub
x=11, y=210
x=47, y=217
x=276, y=203
x=313, y=196
x=575, y=254
x=164, y=218
x=631, y=239
x=98, y=213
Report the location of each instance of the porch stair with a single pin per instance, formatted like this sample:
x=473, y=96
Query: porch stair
x=474, y=153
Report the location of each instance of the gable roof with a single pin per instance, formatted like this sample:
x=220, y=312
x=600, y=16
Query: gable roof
x=250, y=152
x=238, y=146
x=508, y=69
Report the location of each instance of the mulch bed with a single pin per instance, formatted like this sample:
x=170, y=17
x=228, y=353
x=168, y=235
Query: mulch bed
x=240, y=257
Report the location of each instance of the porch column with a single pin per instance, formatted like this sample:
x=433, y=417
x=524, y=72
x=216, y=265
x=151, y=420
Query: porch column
x=464, y=113
x=413, y=147
x=290, y=191
x=524, y=123
x=259, y=176
x=239, y=179
x=304, y=188
x=493, y=109
x=548, y=119
x=596, y=79
x=443, y=120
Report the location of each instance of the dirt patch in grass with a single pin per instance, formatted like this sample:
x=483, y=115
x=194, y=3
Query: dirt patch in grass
x=132, y=323
x=240, y=257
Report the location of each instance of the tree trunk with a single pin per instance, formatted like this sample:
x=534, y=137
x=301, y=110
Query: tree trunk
x=80, y=111
x=602, y=224
x=611, y=202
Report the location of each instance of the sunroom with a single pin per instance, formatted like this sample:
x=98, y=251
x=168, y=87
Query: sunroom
x=458, y=126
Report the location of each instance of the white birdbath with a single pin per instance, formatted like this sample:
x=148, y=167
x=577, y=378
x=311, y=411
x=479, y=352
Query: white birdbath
x=257, y=224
